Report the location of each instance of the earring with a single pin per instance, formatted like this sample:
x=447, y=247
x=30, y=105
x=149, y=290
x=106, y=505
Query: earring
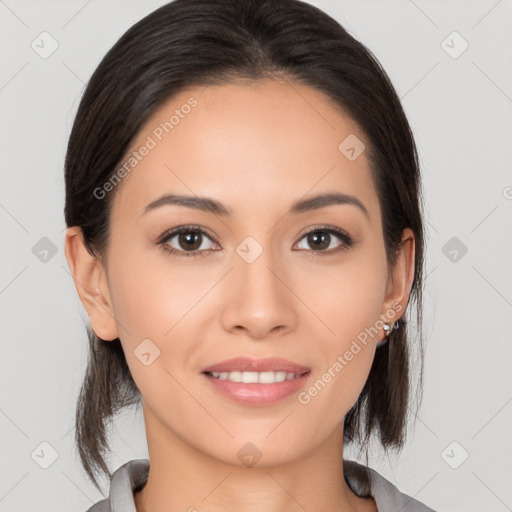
x=388, y=327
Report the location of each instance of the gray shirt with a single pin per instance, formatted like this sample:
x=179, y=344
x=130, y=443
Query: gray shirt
x=363, y=481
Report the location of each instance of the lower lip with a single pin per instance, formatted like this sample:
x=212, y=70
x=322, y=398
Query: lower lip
x=257, y=394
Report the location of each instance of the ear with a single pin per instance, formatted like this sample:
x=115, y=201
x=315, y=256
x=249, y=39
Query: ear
x=400, y=279
x=91, y=284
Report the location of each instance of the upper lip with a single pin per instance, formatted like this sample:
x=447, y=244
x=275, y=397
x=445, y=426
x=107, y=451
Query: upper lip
x=247, y=364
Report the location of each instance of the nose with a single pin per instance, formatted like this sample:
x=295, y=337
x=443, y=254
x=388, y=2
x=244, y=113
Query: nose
x=259, y=302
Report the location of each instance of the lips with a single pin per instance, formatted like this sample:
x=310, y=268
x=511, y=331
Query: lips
x=246, y=364
x=256, y=382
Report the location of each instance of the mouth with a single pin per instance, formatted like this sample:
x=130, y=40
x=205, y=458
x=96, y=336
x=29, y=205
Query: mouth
x=269, y=377
x=256, y=382
x=250, y=365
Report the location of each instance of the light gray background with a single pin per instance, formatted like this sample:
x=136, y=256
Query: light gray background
x=460, y=109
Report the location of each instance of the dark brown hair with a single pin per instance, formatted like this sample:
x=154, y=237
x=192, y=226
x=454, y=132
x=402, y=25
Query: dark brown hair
x=197, y=42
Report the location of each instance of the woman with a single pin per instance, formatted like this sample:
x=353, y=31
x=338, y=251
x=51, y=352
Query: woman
x=243, y=204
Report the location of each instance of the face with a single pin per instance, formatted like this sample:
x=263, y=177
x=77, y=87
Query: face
x=253, y=277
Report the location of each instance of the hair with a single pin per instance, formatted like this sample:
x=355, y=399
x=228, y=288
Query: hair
x=189, y=43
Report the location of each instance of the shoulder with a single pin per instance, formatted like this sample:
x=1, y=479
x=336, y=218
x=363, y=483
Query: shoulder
x=365, y=481
x=100, y=506
x=126, y=480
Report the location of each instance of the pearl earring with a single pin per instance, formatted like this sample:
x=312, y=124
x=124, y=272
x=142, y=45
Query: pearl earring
x=388, y=327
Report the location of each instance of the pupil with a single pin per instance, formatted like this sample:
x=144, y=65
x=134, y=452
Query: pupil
x=189, y=241
x=315, y=238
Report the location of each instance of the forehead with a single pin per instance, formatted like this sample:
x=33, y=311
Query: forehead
x=263, y=142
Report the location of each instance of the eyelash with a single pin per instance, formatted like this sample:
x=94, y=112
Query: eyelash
x=347, y=241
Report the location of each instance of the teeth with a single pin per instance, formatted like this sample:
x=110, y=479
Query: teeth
x=255, y=377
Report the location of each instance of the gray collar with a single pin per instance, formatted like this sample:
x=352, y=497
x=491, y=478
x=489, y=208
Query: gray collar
x=364, y=481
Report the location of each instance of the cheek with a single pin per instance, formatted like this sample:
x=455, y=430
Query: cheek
x=150, y=307
x=161, y=302
x=150, y=295
x=347, y=297
x=348, y=301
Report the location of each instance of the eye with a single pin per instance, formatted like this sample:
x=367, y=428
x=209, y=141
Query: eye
x=324, y=240
x=194, y=241
x=188, y=241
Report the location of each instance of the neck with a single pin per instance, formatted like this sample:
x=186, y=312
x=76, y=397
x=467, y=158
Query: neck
x=183, y=478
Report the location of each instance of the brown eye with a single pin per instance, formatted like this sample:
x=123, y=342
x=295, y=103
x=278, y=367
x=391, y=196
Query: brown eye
x=319, y=240
x=324, y=240
x=188, y=241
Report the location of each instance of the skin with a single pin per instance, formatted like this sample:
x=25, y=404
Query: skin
x=257, y=149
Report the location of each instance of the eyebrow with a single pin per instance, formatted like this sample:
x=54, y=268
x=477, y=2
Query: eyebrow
x=207, y=204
